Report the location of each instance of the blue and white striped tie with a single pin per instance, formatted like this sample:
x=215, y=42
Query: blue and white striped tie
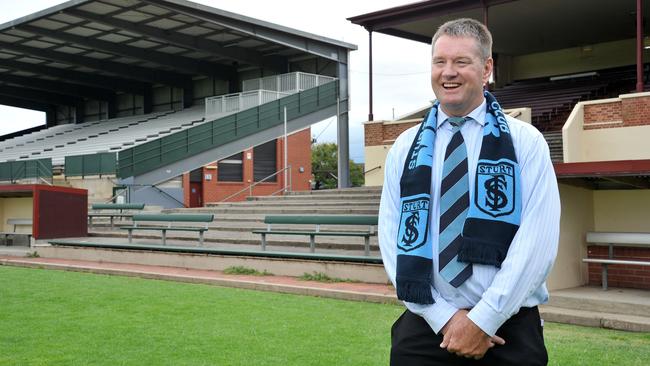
x=454, y=204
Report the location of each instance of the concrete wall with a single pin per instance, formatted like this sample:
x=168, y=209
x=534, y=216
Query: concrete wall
x=375, y=161
x=573, y=60
x=622, y=210
x=577, y=218
x=99, y=189
x=371, y=273
x=15, y=208
x=153, y=197
x=608, y=129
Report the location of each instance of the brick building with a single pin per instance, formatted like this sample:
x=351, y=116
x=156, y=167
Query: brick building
x=231, y=178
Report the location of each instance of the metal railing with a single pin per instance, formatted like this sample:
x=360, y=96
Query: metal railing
x=372, y=169
x=182, y=144
x=287, y=83
x=220, y=106
x=285, y=188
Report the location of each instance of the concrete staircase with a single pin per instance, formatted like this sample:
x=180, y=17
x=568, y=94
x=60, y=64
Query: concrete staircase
x=234, y=221
x=554, y=140
x=616, y=308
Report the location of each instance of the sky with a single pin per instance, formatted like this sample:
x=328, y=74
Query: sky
x=401, y=68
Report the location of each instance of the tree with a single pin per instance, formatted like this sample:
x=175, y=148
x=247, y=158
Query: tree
x=324, y=167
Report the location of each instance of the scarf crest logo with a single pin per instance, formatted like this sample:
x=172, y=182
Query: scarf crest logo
x=413, y=226
x=495, y=185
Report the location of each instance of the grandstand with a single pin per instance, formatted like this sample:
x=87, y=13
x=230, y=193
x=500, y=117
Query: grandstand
x=141, y=93
x=581, y=68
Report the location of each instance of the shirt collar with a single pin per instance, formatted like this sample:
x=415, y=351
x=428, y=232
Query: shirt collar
x=477, y=114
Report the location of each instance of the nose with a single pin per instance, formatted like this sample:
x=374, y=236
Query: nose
x=448, y=71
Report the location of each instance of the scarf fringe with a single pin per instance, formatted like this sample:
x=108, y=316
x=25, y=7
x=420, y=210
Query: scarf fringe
x=414, y=291
x=478, y=251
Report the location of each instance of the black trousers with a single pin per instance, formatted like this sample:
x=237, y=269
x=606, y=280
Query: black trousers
x=415, y=344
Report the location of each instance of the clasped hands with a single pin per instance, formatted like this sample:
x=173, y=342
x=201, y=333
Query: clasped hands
x=464, y=338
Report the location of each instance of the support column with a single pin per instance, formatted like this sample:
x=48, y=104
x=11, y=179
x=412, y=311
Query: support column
x=485, y=13
x=147, y=102
x=639, y=46
x=112, y=107
x=188, y=96
x=370, y=115
x=342, y=131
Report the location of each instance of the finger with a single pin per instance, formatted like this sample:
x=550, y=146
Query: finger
x=498, y=340
x=445, y=341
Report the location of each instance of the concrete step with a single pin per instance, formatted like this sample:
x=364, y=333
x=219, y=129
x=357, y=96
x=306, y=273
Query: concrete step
x=319, y=197
x=15, y=250
x=240, y=226
x=338, y=191
x=311, y=210
x=216, y=239
x=632, y=323
x=594, y=299
x=293, y=203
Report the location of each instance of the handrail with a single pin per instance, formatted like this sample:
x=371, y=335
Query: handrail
x=156, y=188
x=117, y=195
x=168, y=195
x=250, y=186
x=369, y=170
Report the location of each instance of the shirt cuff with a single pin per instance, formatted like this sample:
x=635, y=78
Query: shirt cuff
x=438, y=314
x=486, y=318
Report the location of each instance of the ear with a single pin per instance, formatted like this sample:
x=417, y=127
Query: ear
x=487, y=70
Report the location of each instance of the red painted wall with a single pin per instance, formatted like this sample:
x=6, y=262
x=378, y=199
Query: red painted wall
x=58, y=212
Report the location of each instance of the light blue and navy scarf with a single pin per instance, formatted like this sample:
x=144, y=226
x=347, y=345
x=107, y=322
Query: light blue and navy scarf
x=493, y=217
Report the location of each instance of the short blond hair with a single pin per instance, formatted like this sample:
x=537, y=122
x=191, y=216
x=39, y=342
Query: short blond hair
x=467, y=27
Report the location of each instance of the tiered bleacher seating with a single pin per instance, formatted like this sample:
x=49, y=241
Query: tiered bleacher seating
x=552, y=99
x=121, y=133
x=101, y=136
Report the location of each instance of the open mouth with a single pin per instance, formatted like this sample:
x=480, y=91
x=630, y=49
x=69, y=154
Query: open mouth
x=450, y=85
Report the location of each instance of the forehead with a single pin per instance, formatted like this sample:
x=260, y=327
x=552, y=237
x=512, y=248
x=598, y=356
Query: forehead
x=448, y=46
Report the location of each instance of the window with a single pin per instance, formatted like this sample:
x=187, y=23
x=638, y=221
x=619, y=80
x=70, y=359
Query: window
x=230, y=169
x=264, y=163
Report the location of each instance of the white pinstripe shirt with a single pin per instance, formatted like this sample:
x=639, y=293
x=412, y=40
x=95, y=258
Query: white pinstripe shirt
x=493, y=294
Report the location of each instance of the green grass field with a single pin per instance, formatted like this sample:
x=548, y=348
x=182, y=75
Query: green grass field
x=67, y=318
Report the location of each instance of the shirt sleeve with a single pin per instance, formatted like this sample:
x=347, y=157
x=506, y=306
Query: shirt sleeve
x=439, y=313
x=534, y=247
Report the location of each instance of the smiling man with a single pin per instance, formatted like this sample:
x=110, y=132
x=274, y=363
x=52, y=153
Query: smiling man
x=469, y=219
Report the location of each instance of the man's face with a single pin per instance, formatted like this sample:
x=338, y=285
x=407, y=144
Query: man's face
x=458, y=74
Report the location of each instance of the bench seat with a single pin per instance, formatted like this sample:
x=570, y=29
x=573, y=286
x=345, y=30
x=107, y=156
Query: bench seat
x=117, y=208
x=16, y=222
x=612, y=239
x=169, y=218
x=318, y=220
x=322, y=233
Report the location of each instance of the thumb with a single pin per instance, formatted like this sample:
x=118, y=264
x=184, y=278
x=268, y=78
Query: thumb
x=498, y=340
x=445, y=341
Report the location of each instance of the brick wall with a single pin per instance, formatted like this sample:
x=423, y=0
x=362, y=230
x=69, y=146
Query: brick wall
x=385, y=133
x=299, y=156
x=620, y=275
x=626, y=112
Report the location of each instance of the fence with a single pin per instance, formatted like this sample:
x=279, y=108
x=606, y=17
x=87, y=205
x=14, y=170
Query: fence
x=216, y=107
x=287, y=83
x=92, y=164
x=26, y=169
